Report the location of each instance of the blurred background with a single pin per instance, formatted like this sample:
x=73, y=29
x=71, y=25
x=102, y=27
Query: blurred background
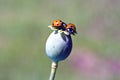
x=23, y=33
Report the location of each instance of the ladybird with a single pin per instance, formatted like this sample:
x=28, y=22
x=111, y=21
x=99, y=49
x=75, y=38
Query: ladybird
x=71, y=28
x=58, y=24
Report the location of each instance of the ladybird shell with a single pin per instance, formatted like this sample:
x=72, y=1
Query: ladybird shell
x=70, y=25
x=56, y=23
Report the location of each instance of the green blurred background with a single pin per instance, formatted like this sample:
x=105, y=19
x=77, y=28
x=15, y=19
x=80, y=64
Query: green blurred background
x=23, y=33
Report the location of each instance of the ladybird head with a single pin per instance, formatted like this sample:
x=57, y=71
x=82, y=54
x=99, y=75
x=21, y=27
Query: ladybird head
x=58, y=24
x=71, y=28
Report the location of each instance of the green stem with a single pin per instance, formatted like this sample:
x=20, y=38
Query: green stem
x=53, y=70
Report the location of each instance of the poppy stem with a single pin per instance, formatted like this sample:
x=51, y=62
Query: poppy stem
x=53, y=70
